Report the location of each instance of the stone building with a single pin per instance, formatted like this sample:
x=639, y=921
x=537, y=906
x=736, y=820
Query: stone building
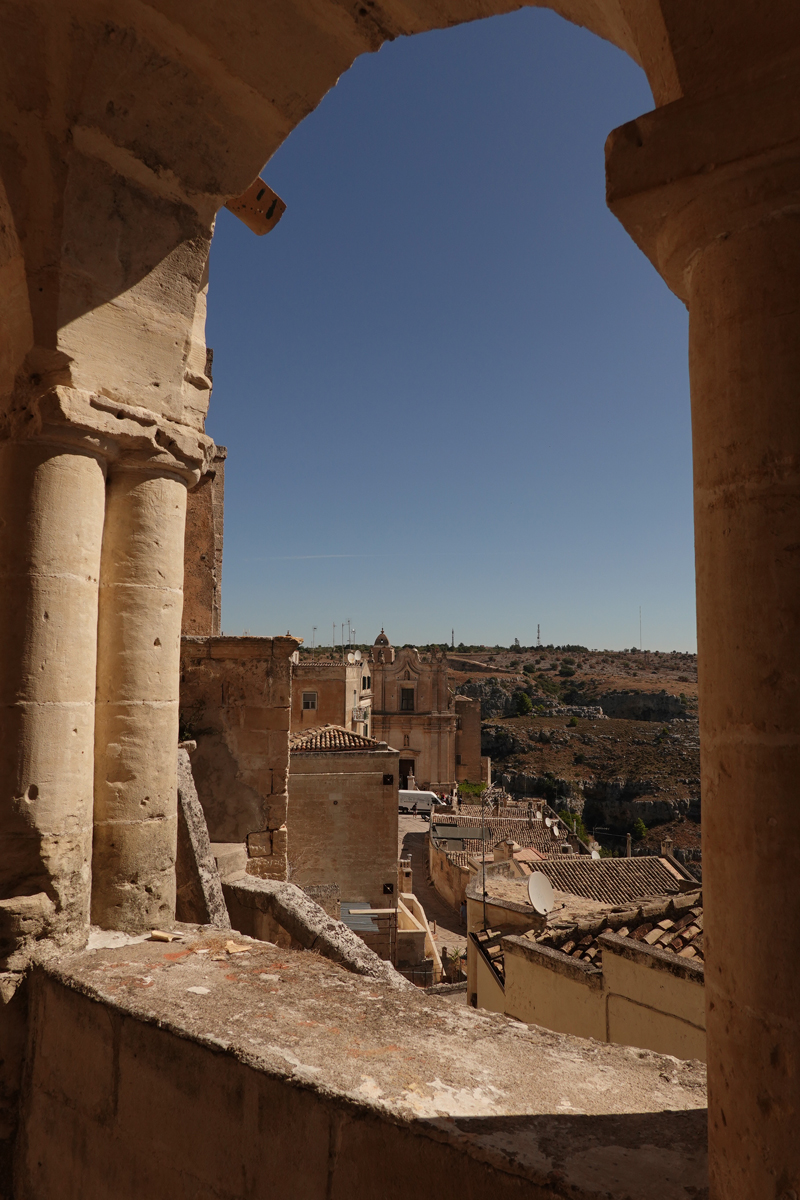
x=234, y=705
x=413, y=708
x=125, y=128
x=331, y=692
x=343, y=814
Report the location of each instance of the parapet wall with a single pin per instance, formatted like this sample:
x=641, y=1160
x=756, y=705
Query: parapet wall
x=196, y=1070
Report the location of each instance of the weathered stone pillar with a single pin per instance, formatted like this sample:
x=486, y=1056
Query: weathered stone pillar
x=139, y=628
x=51, y=523
x=726, y=237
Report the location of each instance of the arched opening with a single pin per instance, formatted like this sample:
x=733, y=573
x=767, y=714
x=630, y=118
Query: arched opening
x=470, y=370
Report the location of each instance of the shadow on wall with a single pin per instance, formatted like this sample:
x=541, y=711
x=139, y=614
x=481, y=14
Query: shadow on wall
x=232, y=809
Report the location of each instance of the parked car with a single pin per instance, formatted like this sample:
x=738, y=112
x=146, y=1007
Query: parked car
x=423, y=800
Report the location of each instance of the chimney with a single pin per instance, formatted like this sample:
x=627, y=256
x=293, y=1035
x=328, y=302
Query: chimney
x=666, y=846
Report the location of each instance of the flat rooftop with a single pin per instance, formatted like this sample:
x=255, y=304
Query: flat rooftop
x=516, y=1101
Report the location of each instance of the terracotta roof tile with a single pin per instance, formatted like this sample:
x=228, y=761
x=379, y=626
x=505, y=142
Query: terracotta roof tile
x=324, y=738
x=674, y=932
x=611, y=880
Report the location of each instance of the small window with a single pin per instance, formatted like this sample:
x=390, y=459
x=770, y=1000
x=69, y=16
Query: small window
x=458, y=760
x=309, y=701
x=406, y=699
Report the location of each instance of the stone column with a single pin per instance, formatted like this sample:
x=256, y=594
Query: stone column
x=51, y=522
x=139, y=629
x=717, y=213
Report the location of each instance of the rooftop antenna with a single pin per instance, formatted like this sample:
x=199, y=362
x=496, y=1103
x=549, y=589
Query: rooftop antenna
x=452, y=639
x=640, y=627
x=540, y=893
x=538, y=635
x=313, y=639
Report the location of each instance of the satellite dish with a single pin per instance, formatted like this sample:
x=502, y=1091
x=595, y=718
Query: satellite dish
x=548, y=822
x=595, y=854
x=351, y=658
x=554, y=831
x=357, y=656
x=538, y=815
x=540, y=893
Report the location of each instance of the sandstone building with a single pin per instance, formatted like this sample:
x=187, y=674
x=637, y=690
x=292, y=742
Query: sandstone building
x=343, y=814
x=414, y=709
x=331, y=692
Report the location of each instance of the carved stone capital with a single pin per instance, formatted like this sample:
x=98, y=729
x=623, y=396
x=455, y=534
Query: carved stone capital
x=121, y=434
x=700, y=170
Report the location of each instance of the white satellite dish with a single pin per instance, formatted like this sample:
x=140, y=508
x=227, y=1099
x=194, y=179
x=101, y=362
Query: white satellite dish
x=538, y=815
x=595, y=854
x=548, y=822
x=351, y=658
x=554, y=831
x=540, y=893
x=357, y=656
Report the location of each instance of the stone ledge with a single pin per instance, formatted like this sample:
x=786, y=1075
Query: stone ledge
x=276, y=1073
x=653, y=957
x=554, y=960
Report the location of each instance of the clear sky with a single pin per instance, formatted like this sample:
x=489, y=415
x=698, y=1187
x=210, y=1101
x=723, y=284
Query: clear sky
x=454, y=393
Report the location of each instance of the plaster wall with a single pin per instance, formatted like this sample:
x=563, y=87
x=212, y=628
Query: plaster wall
x=566, y=1000
x=343, y=822
x=490, y=994
x=638, y=999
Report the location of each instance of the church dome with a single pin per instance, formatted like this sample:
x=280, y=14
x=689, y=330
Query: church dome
x=382, y=639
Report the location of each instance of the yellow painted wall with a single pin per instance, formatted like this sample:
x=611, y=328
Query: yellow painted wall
x=539, y=996
x=652, y=1008
x=490, y=994
x=631, y=1003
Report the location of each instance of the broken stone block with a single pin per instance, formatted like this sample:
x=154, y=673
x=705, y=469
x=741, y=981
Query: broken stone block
x=199, y=897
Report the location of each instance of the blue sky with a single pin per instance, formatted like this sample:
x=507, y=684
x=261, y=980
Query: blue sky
x=454, y=393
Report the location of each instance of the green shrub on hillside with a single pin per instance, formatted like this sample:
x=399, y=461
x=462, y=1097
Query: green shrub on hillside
x=522, y=704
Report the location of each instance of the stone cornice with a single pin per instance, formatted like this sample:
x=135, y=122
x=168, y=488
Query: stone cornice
x=122, y=434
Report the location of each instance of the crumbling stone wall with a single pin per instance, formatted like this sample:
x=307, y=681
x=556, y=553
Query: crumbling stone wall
x=202, y=554
x=235, y=698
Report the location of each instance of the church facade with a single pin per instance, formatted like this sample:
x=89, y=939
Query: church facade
x=414, y=711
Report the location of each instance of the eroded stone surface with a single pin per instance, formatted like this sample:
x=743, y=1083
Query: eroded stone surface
x=574, y=1117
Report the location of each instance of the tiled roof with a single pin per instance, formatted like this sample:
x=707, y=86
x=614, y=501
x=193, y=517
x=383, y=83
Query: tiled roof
x=534, y=834
x=680, y=932
x=611, y=880
x=332, y=737
x=673, y=924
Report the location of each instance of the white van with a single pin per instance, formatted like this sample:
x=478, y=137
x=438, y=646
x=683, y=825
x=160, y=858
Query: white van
x=423, y=800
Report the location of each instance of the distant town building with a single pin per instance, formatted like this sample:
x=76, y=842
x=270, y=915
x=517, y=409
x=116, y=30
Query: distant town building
x=331, y=692
x=414, y=710
x=344, y=814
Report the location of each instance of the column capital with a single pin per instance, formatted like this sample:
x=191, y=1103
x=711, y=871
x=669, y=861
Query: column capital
x=123, y=435
x=700, y=169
